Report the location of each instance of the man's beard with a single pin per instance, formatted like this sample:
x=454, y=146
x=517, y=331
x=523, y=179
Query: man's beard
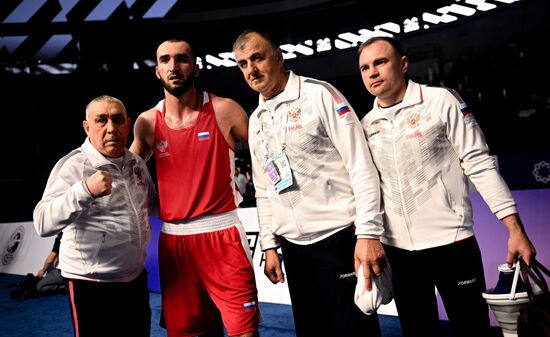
x=181, y=89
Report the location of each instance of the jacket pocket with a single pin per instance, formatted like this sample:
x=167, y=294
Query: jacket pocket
x=89, y=244
x=445, y=195
x=447, y=199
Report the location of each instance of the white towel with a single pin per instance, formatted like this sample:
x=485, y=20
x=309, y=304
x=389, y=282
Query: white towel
x=381, y=293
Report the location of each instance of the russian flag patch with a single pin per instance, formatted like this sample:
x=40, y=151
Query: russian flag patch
x=342, y=110
x=250, y=305
x=467, y=115
x=203, y=135
x=464, y=109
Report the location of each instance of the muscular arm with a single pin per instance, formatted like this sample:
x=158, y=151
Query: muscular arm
x=144, y=132
x=232, y=119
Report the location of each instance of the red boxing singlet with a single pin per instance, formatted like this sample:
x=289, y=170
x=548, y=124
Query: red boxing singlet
x=194, y=167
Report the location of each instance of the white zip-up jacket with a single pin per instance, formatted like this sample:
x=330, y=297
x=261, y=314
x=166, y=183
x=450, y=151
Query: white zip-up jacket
x=425, y=149
x=104, y=239
x=335, y=181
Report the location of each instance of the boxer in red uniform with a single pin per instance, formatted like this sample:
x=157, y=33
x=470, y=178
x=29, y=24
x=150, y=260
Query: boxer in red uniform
x=204, y=257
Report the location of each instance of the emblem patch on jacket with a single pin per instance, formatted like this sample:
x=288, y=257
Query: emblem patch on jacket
x=294, y=114
x=295, y=118
x=413, y=120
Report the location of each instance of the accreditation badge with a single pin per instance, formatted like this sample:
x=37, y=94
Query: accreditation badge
x=283, y=167
x=272, y=172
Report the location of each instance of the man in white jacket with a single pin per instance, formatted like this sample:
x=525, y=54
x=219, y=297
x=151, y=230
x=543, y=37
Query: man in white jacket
x=317, y=192
x=100, y=196
x=425, y=144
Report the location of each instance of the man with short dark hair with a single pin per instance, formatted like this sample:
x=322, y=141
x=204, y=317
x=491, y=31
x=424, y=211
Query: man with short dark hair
x=426, y=143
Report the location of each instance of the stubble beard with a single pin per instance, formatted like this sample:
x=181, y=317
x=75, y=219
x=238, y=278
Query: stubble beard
x=179, y=90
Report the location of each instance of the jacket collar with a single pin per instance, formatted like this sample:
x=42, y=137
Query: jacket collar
x=291, y=93
x=413, y=95
x=97, y=159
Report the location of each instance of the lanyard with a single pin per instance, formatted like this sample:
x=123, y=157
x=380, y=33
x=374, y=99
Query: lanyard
x=261, y=134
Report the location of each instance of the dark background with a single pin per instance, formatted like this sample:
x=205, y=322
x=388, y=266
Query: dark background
x=497, y=60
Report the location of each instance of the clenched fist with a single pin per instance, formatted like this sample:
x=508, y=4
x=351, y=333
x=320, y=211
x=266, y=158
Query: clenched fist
x=100, y=183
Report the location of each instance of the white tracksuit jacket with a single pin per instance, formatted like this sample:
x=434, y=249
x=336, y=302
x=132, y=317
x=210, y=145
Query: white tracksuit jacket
x=335, y=181
x=104, y=239
x=425, y=148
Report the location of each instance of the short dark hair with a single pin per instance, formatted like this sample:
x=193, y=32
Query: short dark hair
x=396, y=45
x=243, y=38
x=179, y=39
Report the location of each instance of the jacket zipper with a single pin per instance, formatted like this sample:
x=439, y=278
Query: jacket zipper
x=399, y=183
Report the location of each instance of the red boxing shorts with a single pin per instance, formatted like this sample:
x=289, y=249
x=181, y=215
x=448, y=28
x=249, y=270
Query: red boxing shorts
x=204, y=274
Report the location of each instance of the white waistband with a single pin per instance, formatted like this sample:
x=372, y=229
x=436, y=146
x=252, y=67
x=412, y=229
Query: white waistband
x=202, y=224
